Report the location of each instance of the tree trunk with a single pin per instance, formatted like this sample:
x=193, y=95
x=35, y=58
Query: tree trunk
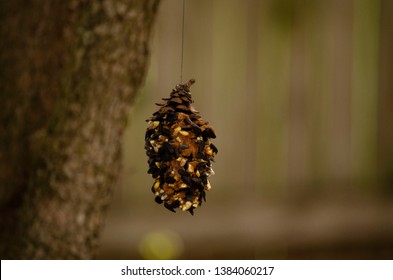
x=69, y=72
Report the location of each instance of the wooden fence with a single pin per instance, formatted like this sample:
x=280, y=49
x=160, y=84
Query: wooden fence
x=301, y=95
x=292, y=87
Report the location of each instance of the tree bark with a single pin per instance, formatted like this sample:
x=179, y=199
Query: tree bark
x=69, y=72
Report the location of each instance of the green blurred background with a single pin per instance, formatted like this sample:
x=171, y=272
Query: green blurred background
x=301, y=95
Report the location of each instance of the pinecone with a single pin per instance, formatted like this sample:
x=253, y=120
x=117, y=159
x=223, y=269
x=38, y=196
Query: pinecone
x=177, y=143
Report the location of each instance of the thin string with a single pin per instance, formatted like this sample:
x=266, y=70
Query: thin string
x=182, y=44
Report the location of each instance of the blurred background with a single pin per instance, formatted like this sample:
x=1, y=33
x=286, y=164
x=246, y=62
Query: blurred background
x=300, y=95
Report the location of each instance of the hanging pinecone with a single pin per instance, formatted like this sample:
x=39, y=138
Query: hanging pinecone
x=177, y=143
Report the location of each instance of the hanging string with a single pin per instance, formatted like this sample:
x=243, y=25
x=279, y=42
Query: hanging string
x=182, y=44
